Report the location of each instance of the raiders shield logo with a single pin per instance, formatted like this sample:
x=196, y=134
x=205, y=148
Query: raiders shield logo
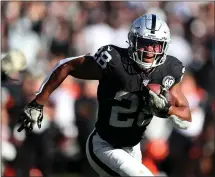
x=168, y=81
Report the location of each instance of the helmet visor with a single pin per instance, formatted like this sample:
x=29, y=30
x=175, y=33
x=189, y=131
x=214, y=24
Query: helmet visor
x=149, y=45
x=147, y=48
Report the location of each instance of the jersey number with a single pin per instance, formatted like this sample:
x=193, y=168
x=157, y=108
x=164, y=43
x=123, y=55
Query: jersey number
x=103, y=58
x=125, y=114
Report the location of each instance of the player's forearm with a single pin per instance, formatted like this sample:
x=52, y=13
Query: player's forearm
x=182, y=112
x=58, y=74
x=51, y=82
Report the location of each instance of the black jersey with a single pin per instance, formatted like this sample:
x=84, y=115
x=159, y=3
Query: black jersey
x=123, y=113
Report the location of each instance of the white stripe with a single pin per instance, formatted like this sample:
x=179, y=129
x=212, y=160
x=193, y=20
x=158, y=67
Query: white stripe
x=122, y=161
x=58, y=64
x=96, y=167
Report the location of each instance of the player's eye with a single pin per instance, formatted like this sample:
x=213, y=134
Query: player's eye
x=157, y=48
x=142, y=43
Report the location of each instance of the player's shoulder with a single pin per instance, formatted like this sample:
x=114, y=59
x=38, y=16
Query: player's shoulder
x=172, y=61
x=113, y=49
x=109, y=55
x=173, y=65
x=172, y=71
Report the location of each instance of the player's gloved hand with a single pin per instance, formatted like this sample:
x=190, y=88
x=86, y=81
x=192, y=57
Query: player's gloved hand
x=159, y=104
x=32, y=113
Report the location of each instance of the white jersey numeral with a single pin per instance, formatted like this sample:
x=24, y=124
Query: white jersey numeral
x=102, y=58
x=127, y=112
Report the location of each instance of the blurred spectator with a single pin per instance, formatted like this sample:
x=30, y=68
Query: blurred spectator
x=178, y=41
x=20, y=33
x=86, y=110
x=40, y=146
x=8, y=149
x=195, y=97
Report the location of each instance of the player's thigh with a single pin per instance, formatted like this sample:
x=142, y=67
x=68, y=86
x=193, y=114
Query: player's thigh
x=113, y=162
x=134, y=152
x=94, y=143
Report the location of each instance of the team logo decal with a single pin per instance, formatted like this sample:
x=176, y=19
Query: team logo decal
x=168, y=81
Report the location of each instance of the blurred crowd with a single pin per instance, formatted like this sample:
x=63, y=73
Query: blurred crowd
x=49, y=31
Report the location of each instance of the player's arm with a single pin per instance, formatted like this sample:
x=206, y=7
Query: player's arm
x=181, y=109
x=180, y=113
x=83, y=67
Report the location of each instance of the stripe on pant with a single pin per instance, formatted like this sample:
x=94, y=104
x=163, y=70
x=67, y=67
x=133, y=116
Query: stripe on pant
x=96, y=159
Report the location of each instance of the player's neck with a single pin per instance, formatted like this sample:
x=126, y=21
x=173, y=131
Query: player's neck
x=148, y=71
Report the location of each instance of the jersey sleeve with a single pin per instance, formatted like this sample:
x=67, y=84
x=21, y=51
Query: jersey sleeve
x=106, y=57
x=179, y=71
x=176, y=71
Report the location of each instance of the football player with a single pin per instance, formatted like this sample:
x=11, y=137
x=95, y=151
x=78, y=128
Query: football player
x=126, y=107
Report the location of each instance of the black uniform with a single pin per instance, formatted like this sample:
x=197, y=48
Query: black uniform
x=123, y=114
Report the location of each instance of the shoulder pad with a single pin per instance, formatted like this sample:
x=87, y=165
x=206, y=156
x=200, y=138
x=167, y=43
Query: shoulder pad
x=174, y=72
x=105, y=54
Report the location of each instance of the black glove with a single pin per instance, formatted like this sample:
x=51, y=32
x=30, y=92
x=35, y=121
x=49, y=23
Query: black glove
x=159, y=104
x=32, y=113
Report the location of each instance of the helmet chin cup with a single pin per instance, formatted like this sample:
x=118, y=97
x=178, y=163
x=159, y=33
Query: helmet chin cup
x=144, y=65
x=138, y=57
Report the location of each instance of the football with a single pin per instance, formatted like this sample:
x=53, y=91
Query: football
x=157, y=89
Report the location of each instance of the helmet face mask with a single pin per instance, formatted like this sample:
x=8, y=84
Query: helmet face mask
x=148, y=35
x=141, y=48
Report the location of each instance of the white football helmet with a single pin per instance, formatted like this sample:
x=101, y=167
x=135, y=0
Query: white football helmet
x=148, y=29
